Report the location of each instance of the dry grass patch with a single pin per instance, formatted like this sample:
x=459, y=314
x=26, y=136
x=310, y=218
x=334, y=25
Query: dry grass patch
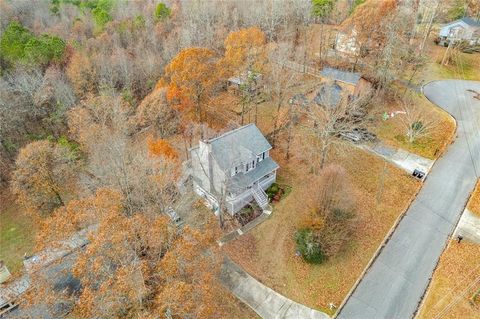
x=454, y=284
x=17, y=233
x=474, y=202
x=392, y=131
x=466, y=66
x=268, y=251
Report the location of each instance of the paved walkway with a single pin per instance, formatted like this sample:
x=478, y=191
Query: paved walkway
x=403, y=159
x=468, y=227
x=267, y=303
x=395, y=283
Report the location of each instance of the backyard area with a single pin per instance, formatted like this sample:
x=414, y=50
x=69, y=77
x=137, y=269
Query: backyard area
x=268, y=252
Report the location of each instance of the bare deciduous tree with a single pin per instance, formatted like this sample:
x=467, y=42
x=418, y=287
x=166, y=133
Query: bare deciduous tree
x=332, y=115
x=280, y=79
x=416, y=122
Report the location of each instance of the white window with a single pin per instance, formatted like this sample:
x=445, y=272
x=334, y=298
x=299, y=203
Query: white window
x=235, y=170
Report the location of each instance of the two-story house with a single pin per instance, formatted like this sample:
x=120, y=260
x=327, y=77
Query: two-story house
x=233, y=169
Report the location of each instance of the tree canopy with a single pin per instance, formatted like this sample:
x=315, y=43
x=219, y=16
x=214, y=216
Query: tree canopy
x=19, y=45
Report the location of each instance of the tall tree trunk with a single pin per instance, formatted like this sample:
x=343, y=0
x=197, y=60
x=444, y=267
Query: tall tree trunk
x=275, y=125
x=320, y=48
x=243, y=113
x=323, y=157
x=289, y=138
x=429, y=29
x=445, y=55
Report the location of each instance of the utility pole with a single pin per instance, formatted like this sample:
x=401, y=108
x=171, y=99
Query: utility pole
x=446, y=52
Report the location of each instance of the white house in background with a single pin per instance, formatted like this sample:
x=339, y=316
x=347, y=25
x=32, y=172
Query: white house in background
x=346, y=43
x=234, y=169
x=465, y=29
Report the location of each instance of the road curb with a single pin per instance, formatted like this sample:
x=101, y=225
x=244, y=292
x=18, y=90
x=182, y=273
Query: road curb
x=399, y=218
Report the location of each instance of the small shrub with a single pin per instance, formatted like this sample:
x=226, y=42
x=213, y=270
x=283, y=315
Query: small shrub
x=272, y=190
x=162, y=11
x=308, y=247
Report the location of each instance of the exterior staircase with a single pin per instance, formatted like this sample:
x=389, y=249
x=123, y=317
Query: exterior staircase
x=260, y=196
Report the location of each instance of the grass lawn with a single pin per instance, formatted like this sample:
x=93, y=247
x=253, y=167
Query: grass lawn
x=268, y=251
x=474, y=202
x=392, y=131
x=454, y=284
x=17, y=232
x=466, y=66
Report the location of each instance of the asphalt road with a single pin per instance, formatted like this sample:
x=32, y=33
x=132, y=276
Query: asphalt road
x=394, y=285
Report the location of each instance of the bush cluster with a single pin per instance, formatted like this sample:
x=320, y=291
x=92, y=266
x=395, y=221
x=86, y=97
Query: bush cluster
x=308, y=247
x=19, y=45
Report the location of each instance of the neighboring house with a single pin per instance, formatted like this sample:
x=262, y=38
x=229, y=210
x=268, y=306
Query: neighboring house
x=237, y=83
x=465, y=29
x=329, y=95
x=53, y=265
x=355, y=80
x=233, y=169
x=346, y=43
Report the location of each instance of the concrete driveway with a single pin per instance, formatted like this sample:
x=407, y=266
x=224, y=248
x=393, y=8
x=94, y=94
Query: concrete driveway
x=394, y=285
x=266, y=302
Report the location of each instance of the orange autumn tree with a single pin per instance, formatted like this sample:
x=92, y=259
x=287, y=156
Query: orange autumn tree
x=43, y=172
x=135, y=265
x=160, y=147
x=245, y=50
x=191, y=78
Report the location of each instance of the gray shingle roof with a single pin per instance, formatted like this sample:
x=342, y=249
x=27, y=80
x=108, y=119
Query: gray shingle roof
x=471, y=22
x=343, y=76
x=239, y=145
x=243, y=180
x=329, y=95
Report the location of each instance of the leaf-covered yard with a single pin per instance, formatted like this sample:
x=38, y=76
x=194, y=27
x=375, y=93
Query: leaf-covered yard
x=392, y=130
x=454, y=284
x=455, y=288
x=268, y=251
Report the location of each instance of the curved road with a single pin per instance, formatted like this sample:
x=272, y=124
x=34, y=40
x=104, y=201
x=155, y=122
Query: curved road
x=395, y=283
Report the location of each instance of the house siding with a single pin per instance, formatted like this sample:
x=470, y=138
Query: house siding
x=213, y=167
x=458, y=31
x=236, y=204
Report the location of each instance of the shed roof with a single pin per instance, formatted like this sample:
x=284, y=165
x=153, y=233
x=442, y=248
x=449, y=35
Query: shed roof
x=339, y=75
x=329, y=95
x=467, y=20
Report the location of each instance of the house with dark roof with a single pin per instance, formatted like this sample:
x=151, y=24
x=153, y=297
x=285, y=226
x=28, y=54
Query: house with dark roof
x=359, y=84
x=329, y=95
x=465, y=29
x=233, y=169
